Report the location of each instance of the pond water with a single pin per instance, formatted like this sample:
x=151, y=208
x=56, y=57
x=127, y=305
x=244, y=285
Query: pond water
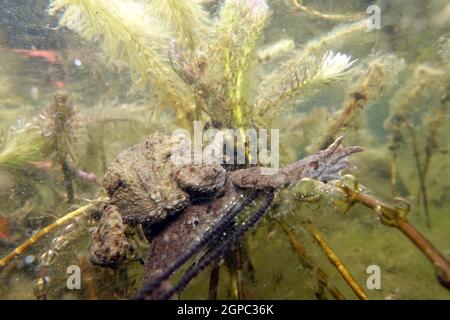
x=82, y=80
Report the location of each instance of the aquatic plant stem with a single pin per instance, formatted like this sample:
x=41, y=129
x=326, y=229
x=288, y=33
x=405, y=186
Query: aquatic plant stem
x=40, y=234
x=357, y=289
x=423, y=188
x=327, y=16
x=307, y=263
x=67, y=172
x=234, y=291
x=214, y=282
x=395, y=217
x=439, y=261
x=394, y=173
x=435, y=125
x=239, y=273
x=344, y=119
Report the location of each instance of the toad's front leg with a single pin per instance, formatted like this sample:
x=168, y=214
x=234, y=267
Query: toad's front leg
x=325, y=165
x=108, y=241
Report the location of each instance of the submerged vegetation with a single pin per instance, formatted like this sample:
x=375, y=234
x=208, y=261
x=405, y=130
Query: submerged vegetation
x=312, y=69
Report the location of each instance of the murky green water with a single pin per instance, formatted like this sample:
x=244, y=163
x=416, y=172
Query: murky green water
x=94, y=77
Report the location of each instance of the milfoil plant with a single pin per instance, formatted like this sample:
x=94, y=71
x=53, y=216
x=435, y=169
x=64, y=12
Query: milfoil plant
x=214, y=68
x=203, y=67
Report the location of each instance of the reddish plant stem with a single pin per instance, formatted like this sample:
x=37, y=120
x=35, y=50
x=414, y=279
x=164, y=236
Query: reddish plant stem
x=394, y=217
x=214, y=282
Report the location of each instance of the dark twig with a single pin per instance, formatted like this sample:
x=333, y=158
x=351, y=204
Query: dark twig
x=239, y=273
x=68, y=181
x=420, y=171
x=214, y=282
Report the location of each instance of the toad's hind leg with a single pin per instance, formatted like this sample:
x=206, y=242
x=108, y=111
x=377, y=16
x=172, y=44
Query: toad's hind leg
x=181, y=240
x=221, y=249
x=108, y=240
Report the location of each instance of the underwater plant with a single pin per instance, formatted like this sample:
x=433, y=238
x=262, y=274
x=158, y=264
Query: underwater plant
x=24, y=146
x=195, y=67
